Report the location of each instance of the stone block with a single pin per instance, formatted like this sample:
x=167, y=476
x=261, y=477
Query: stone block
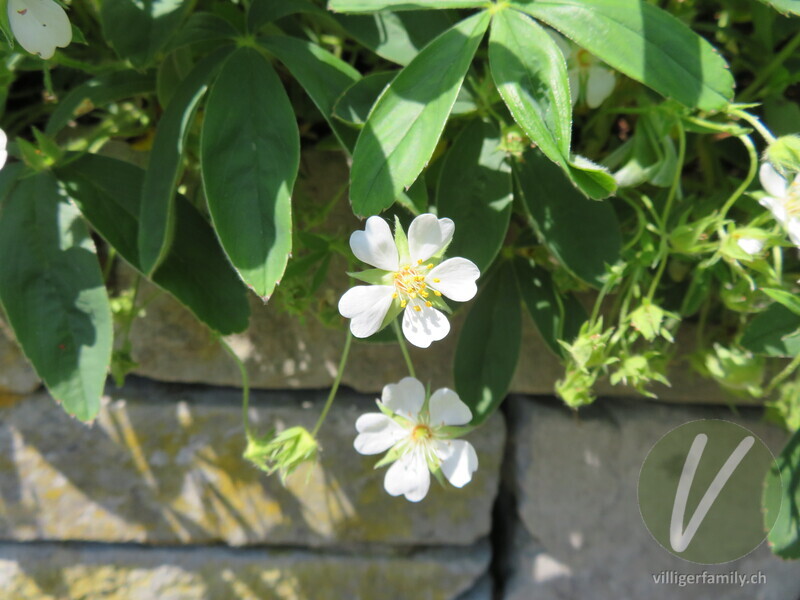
x=89, y=572
x=162, y=465
x=581, y=534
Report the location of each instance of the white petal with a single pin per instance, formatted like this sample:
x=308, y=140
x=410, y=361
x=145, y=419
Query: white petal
x=599, y=85
x=574, y=77
x=377, y=433
x=39, y=26
x=793, y=227
x=775, y=206
x=752, y=246
x=367, y=306
x=427, y=235
x=425, y=326
x=772, y=181
x=459, y=461
x=446, y=408
x=405, y=397
x=3, y=152
x=409, y=476
x=375, y=245
x=457, y=277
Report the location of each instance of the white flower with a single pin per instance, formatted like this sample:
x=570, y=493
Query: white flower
x=752, y=246
x=408, y=276
x=3, y=150
x=588, y=77
x=39, y=26
x=420, y=438
x=783, y=200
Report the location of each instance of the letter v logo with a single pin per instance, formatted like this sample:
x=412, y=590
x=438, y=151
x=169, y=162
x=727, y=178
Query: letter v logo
x=700, y=491
x=679, y=538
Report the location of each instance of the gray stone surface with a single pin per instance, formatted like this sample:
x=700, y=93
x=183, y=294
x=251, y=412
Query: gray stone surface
x=90, y=572
x=581, y=535
x=162, y=464
x=17, y=377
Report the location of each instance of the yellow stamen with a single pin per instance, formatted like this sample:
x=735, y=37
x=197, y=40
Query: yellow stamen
x=394, y=295
x=430, y=265
x=403, y=304
x=428, y=303
x=437, y=292
x=436, y=280
x=419, y=261
x=417, y=308
x=412, y=295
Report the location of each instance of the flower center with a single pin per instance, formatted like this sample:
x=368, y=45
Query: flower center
x=410, y=285
x=421, y=433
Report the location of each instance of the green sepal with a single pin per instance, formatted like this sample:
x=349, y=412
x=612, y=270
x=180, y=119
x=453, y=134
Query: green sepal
x=401, y=241
x=392, y=455
x=372, y=276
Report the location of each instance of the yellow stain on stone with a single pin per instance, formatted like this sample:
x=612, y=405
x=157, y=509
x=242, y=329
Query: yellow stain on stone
x=7, y=400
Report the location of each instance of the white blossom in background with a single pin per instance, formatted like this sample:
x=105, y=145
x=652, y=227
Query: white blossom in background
x=39, y=26
x=409, y=276
x=419, y=437
x=783, y=200
x=588, y=77
x=3, y=150
x=752, y=246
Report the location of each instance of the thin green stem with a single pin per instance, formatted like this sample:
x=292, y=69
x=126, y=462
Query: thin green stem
x=751, y=174
x=784, y=374
x=673, y=191
x=756, y=123
x=245, y=386
x=48, y=80
x=766, y=72
x=329, y=402
x=403, y=348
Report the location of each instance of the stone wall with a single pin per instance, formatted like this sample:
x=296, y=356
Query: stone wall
x=154, y=501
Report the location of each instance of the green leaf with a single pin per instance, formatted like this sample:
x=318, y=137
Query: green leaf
x=774, y=332
x=52, y=291
x=202, y=28
x=583, y=234
x=250, y=157
x=171, y=72
x=355, y=104
x=556, y=317
x=166, y=162
x=488, y=347
x=404, y=127
x=645, y=43
x=138, y=29
x=530, y=73
x=323, y=76
x=5, y=27
x=97, y=92
x=475, y=190
x=397, y=37
x=265, y=11
x=787, y=299
x=784, y=6
x=593, y=180
x=370, y=6
x=782, y=489
x=195, y=271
